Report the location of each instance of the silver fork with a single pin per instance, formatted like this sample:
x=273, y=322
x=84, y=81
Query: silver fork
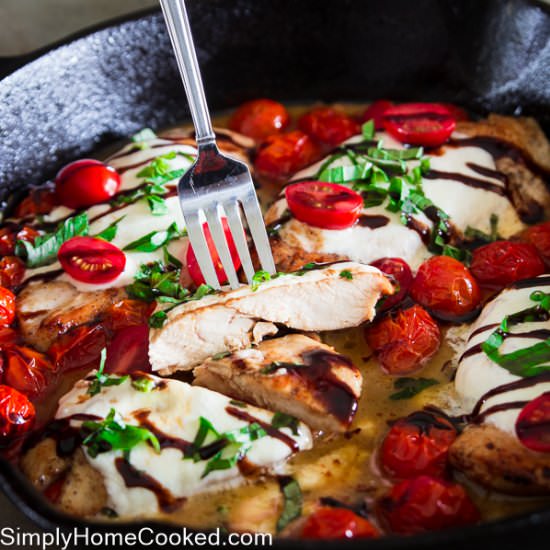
x=215, y=184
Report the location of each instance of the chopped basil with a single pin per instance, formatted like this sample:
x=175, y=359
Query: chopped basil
x=409, y=387
x=157, y=205
x=368, y=129
x=144, y=135
x=239, y=404
x=346, y=274
x=292, y=501
x=109, y=233
x=221, y=355
x=44, y=250
x=282, y=420
x=156, y=239
x=103, y=380
x=477, y=235
x=260, y=277
x=144, y=384
x=158, y=171
x=276, y=365
x=108, y=512
x=113, y=434
x=158, y=319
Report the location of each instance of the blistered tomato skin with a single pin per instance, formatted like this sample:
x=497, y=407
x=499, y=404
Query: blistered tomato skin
x=7, y=306
x=86, y=182
x=9, y=236
x=12, y=272
x=16, y=413
x=446, y=288
x=426, y=503
x=337, y=523
x=259, y=118
x=328, y=126
x=404, y=341
x=539, y=236
x=503, y=262
x=402, y=278
x=533, y=424
x=324, y=205
x=375, y=112
x=417, y=444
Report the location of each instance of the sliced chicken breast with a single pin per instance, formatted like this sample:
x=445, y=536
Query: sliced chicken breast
x=331, y=297
x=295, y=375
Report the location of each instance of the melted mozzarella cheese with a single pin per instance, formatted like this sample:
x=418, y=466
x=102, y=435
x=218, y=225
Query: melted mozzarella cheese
x=477, y=374
x=175, y=409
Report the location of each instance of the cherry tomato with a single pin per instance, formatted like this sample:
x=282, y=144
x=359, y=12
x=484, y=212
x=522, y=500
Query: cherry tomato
x=193, y=265
x=375, y=111
x=337, y=523
x=279, y=156
x=328, y=126
x=428, y=124
x=446, y=288
x=86, y=182
x=12, y=271
x=539, y=236
x=259, y=118
x=403, y=342
x=128, y=350
x=91, y=260
x=325, y=205
x=79, y=347
x=27, y=370
x=533, y=424
x=503, y=262
x=425, y=503
x=7, y=306
x=16, y=413
x=401, y=272
x=128, y=313
x=8, y=336
x=417, y=444
x=41, y=200
x=10, y=235
x=457, y=112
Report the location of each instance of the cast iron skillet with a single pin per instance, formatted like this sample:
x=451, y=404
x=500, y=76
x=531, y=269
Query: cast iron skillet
x=65, y=102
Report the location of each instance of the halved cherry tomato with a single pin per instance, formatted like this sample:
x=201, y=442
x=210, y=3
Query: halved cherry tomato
x=86, y=182
x=533, y=424
x=193, y=265
x=79, y=347
x=7, y=306
x=259, y=118
x=10, y=235
x=128, y=313
x=503, y=262
x=12, y=271
x=428, y=124
x=279, y=156
x=403, y=342
x=337, y=523
x=425, y=503
x=375, y=111
x=401, y=272
x=27, y=370
x=458, y=112
x=328, y=125
x=539, y=236
x=16, y=413
x=128, y=351
x=446, y=288
x=325, y=205
x=41, y=200
x=91, y=260
x=417, y=444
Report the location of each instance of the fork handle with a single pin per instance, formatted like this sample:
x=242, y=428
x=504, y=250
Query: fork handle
x=175, y=15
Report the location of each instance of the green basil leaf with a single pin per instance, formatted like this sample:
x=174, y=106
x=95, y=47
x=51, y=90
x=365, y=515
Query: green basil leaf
x=368, y=129
x=409, y=387
x=157, y=205
x=292, y=501
x=155, y=240
x=109, y=233
x=144, y=135
x=282, y=420
x=260, y=277
x=158, y=319
x=346, y=274
x=144, y=384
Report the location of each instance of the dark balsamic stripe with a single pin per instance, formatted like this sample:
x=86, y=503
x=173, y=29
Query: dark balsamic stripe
x=466, y=180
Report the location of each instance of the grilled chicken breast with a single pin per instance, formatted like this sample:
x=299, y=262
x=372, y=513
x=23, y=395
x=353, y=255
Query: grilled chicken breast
x=329, y=298
x=295, y=375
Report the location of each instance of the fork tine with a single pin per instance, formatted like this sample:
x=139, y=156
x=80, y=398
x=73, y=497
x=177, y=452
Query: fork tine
x=218, y=236
x=256, y=225
x=237, y=231
x=197, y=239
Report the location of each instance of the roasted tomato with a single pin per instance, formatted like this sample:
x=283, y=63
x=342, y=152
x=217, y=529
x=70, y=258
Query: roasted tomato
x=533, y=424
x=193, y=265
x=428, y=124
x=128, y=313
x=375, y=111
x=41, y=200
x=457, y=112
x=446, y=288
x=91, y=260
x=86, y=182
x=8, y=336
x=7, y=306
x=417, y=444
x=539, y=236
x=328, y=126
x=325, y=205
x=12, y=271
x=503, y=262
x=259, y=118
x=128, y=350
x=281, y=155
x=79, y=347
x=16, y=413
x=337, y=523
x=401, y=273
x=403, y=342
x=10, y=235
x=27, y=370
x=425, y=503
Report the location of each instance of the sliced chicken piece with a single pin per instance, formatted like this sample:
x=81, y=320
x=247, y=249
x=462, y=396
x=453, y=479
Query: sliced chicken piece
x=290, y=258
x=42, y=465
x=331, y=297
x=295, y=375
x=497, y=460
x=47, y=310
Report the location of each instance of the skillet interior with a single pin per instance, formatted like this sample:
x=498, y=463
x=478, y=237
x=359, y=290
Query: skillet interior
x=492, y=55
